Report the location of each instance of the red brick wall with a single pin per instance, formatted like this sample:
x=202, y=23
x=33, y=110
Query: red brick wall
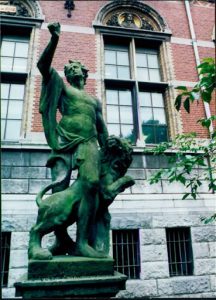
x=184, y=62
x=203, y=15
x=174, y=14
x=83, y=14
x=83, y=46
x=190, y=120
x=75, y=46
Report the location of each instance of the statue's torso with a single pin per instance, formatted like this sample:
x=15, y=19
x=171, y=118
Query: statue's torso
x=78, y=112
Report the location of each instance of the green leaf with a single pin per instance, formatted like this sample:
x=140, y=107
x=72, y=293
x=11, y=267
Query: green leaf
x=181, y=178
x=178, y=102
x=214, y=135
x=193, y=195
x=187, y=105
x=185, y=196
x=183, y=88
x=206, y=96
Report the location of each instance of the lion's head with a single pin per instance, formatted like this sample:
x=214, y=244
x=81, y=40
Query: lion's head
x=118, y=154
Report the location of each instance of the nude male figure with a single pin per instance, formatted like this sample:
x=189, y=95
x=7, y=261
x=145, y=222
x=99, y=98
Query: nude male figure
x=78, y=133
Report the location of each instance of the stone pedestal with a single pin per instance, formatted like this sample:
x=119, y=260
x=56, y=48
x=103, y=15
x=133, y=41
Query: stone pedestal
x=67, y=276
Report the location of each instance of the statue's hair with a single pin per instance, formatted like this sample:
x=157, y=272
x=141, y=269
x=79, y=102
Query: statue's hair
x=83, y=67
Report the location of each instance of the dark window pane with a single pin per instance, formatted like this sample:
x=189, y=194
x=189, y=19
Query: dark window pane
x=111, y=97
x=179, y=251
x=148, y=132
x=161, y=134
x=110, y=57
x=122, y=58
x=112, y=114
x=111, y=71
x=125, y=97
x=5, y=257
x=123, y=73
x=126, y=252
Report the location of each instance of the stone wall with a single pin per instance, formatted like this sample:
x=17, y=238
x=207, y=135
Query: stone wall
x=149, y=208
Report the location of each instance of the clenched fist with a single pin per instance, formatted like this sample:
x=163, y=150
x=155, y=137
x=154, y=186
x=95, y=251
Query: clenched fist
x=54, y=29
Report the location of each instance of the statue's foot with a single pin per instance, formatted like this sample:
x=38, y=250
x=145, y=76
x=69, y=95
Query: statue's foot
x=87, y=251
x=41, y=254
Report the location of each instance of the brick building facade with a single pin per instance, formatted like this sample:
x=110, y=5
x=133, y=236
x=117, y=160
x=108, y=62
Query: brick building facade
x=142, y=64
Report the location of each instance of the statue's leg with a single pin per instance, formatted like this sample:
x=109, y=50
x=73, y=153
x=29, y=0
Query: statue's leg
x=35, y=251
x=89, y=178
x=63, y=243
x=60, y=171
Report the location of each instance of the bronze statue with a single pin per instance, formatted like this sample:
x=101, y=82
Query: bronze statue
x=74, y=142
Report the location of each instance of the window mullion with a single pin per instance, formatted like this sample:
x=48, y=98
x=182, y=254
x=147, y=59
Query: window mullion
x=140, y=140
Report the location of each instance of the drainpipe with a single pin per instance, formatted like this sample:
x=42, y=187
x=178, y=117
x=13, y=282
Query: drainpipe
x=197, y=58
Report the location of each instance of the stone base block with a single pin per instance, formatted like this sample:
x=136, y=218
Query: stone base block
x=91, y=286
x=71, y=276
x=69, y=266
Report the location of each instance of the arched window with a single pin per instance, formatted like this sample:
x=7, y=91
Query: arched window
x=18, y=20
x=134, y=80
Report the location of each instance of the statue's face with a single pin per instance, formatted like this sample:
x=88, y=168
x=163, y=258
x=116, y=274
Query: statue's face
x=74, y=72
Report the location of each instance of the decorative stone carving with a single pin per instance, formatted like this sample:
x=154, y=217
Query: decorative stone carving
x=146, y=25
x=21, y=8
x=131, y=20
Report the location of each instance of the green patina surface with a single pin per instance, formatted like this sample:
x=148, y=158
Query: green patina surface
x=91, y=286
x=74, y=142
x=70, y=266
x=78, y=141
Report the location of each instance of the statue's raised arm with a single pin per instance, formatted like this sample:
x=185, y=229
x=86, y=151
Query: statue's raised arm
x=45, y=60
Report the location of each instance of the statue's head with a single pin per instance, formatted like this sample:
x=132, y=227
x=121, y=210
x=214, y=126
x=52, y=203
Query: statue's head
x=74, y=70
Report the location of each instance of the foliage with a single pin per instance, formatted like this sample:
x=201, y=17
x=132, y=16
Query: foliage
x=192, y=163
x=203, y=89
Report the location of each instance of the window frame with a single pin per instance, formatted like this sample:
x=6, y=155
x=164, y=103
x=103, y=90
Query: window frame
x=133, y=83
x=5, y=250
x=188, y=264
x=135, y=247
x=17, y=77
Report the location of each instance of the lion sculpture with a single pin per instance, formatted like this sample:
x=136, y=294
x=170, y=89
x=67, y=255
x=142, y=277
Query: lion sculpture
x=60, y=210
